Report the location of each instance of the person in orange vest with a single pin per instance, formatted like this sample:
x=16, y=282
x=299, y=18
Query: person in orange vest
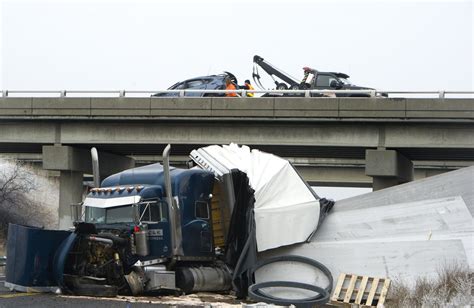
x=230, y=86
x=248, y=86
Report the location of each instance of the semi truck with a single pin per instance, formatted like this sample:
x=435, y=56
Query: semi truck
x=150, y=229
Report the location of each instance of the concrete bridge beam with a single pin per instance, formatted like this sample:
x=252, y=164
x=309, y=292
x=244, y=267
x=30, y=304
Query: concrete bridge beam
x=68, y=158
x=388, y=168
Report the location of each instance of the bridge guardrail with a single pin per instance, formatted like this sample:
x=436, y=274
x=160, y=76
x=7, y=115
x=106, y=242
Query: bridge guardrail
x=243, y=93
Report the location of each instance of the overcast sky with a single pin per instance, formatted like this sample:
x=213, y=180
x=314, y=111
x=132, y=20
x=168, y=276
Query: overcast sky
x=150, y=45
x=99, y=45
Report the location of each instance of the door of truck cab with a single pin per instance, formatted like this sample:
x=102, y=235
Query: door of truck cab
x=154, y=214
x=197, y=230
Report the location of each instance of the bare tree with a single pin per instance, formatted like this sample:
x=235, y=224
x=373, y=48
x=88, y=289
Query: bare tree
x=16, y=205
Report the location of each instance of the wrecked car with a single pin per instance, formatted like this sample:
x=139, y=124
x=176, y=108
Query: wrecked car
x=211, y=82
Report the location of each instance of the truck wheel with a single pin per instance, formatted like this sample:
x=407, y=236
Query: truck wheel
x=282, y=86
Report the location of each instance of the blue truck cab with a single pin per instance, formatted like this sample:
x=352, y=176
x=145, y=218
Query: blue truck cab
x=145, y=230
x=135, y=200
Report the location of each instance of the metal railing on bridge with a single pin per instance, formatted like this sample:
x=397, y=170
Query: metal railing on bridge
x=242, y=93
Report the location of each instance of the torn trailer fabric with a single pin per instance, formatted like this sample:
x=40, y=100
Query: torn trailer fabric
x=241, y=248
x=286, y=209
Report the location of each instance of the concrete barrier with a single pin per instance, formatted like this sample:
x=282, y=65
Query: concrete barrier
x=61, y=107
x=219, y=107
x=180, y=107
x=120, y=107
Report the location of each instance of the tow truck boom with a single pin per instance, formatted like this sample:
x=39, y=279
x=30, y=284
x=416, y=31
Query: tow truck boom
x=272, y=71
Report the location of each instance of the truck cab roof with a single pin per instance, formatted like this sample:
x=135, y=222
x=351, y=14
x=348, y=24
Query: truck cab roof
x=339, y=75
x=145, y=181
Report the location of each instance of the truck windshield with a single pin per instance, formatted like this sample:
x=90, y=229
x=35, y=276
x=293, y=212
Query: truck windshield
x=345, y=81
x=109, y=215
x=149, y=211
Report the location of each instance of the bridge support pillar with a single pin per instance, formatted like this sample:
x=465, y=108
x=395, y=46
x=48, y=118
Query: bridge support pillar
x=387, y=168
x=73, y=163
x=71, y=191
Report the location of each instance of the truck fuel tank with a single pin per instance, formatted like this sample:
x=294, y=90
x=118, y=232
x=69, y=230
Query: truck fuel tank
x=203, y=278
x=141, y=243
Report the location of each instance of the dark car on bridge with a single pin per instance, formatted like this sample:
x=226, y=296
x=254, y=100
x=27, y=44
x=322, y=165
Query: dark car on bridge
x=211, y=82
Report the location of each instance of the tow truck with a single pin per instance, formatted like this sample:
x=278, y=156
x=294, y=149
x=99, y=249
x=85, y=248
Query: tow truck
x=312, y=80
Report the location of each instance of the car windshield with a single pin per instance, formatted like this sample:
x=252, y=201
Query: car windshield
x=177, y=86
x=345, y=81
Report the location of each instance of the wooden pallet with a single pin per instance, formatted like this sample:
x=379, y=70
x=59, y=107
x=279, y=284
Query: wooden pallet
x=363, y=291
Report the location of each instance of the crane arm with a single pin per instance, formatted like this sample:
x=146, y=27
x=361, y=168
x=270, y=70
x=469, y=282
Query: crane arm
x=272, y=71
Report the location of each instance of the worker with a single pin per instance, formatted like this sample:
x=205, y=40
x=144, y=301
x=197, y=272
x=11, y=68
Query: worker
x=307, y=71
x=230, y=86
x=248, y=86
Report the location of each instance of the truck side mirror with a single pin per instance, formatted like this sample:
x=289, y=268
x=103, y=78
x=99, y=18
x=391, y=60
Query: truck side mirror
x=76, y=212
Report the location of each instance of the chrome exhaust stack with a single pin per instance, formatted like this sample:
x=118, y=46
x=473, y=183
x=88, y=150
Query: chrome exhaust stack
x=173, y=206
x=95, y=167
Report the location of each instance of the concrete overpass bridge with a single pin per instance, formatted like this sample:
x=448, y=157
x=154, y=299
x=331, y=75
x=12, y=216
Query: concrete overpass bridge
x=326, y=138
x=360, y=142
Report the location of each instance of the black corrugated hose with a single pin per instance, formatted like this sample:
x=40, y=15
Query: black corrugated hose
x=321, y=298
